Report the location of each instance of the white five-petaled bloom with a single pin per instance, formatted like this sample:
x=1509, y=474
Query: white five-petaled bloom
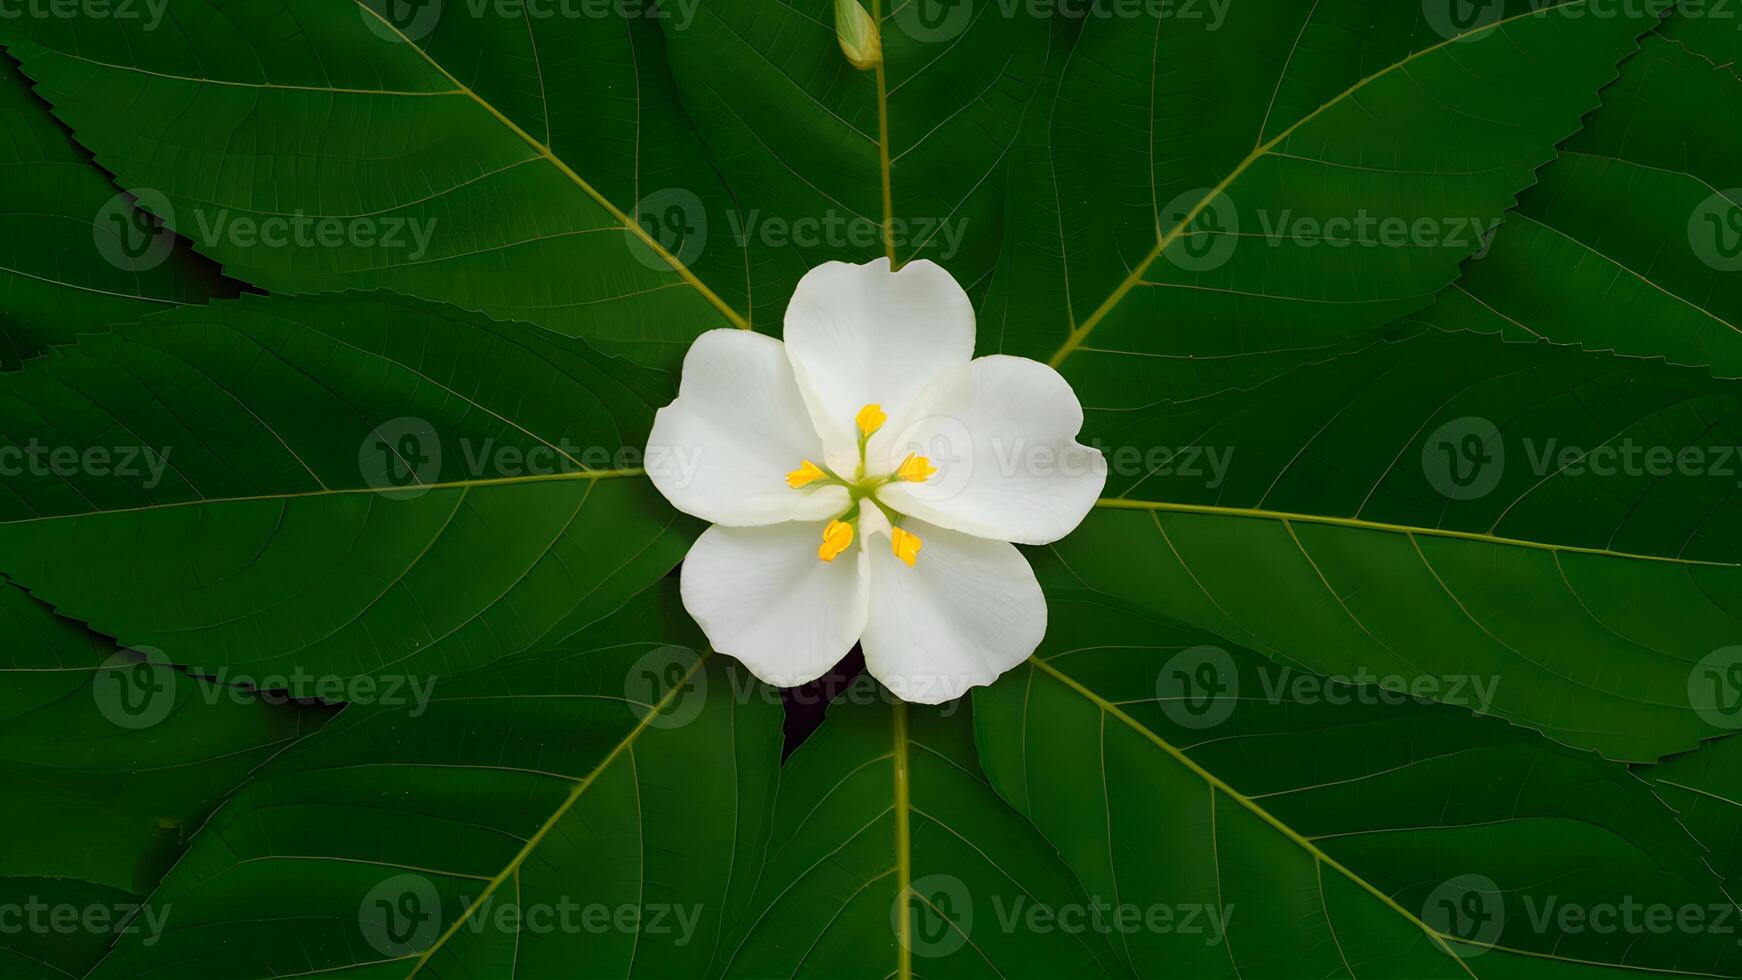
x=865, y=480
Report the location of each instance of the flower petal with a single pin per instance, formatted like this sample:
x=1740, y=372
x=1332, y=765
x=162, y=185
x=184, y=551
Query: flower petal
x=1002, y=433
x=722, y=450
x=762, y=596
x=860, y=335
x=967, y=611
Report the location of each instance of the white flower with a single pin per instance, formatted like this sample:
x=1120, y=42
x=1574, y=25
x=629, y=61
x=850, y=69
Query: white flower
x=865, y=479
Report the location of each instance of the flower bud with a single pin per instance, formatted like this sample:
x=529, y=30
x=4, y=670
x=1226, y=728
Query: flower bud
x=858, y=35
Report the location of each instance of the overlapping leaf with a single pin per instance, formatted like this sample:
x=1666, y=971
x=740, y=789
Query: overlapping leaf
x=506, y=826
x=1338, y=830
x=297, y=489
x=1633, y=239
x=1449, y=504
x=468, y=153
x=110, y=764
x=1215, y=192
x=359, y=496
x=75, y=254
x=891, y=856
x=1704, y=787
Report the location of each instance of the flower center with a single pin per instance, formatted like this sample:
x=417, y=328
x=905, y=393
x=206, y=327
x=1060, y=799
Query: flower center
x=838, y=535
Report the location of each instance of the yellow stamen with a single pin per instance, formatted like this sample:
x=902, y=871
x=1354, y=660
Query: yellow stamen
x=837, y=537
x=906, y=546
x=870, y=419
x=806, y=473
x=915, y=469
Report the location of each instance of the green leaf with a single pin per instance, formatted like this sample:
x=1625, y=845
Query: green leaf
x=1341, y=829
x=506, y=827
x=297, y=490
x=1704, y=787
x=468, y=158
x=1640, y=220
x=1212, y=198
x=110, y=762
x=75, y=254
x=891, y=856
x=833, y=163
x=1448, y=504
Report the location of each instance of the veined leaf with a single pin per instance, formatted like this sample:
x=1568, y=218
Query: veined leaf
x=1212, y=198
x=298, y=489
x=1340, y=830
x=109, y=766
x=891, y=856
x=76, y=254
x=507, y=827
x=447, y=151
x=1640, y=220
x=837, y=163
x=1705, y=788
x=1449, y=504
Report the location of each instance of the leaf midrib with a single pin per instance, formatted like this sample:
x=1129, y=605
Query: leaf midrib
x=1110, y=709
x=1288, y=517
x=580, y=788
x=888, y=192
x=903, y=835
x=1441, y=940
x=633, y=227
x=413, y=488
x=1081, y=332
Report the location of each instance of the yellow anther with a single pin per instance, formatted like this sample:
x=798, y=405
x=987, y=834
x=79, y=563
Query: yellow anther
x=807, y=472
x=870, y=419
x=915, y=469
x=837, y=537
x=906, y=546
